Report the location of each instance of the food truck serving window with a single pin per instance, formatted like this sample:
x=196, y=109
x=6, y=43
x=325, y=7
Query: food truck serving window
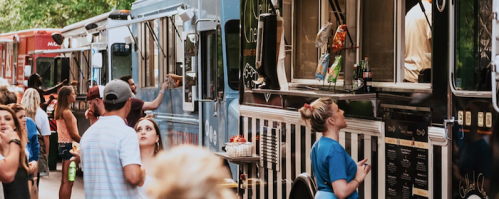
x=232, y=49
x=45, y=68
x=394, y=35
x=121, y=60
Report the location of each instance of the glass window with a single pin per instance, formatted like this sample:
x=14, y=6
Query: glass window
x=121, y=60
x=45, y=68
x=306, y=27
x=473, y=45
x=149, y=65
x=232, y=50
x=378, y=38
x=209, y=61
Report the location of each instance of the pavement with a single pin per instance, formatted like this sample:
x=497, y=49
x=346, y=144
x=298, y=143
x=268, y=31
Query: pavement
x=49, y=186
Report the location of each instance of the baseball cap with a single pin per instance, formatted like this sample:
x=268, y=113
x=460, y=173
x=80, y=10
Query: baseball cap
x=95, y=92
x=117, y=91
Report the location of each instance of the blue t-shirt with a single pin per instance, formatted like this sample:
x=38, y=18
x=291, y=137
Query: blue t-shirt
x=33, y=146
x=331, y=162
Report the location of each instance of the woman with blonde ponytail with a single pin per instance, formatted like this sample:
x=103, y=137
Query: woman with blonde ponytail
x=337, y=175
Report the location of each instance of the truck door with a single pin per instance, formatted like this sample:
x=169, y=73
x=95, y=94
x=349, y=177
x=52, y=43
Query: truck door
x=473, y=139
x=212, y=89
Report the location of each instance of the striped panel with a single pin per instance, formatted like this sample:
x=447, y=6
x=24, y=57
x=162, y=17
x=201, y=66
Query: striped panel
x=297, y=143
x=253, y=168
x=262, y=173
x=289, y=180
x=367, y=154
x=308, y=149
x=245, y=167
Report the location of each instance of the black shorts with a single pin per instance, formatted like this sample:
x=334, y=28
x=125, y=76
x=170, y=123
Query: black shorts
x=64, y=149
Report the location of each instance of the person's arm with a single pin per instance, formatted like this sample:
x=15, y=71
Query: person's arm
x=42, y=121
x=155, y=104
x=130, y=158
x=134, y=174
x=9, y=165
x=46, y=140
x=71, y=125
x=33, y=140
x=342, y=188
x=54, y=89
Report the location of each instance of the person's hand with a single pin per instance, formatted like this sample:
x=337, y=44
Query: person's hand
x=164, y=86
x=89, y=114
x=143, y=177
x=362, y=170
x=7, y=134
x=76, y=156
x=33, y=166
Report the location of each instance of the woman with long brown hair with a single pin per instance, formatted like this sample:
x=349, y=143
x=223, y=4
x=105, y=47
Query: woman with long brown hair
x=67, y=133
x=337, y=175
x=18, y=187
x=29, y=127
x=150, y=144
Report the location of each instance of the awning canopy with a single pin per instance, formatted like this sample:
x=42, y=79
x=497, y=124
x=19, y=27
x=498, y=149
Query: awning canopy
x=146, y=18
x=6, y=41
x=58, y=51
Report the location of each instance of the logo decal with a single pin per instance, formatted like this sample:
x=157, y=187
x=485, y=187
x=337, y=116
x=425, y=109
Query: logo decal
x=52, y=44
x=267, y=97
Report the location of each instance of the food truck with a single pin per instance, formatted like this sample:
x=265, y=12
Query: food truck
x=196, y=41
x=91, y=55
x=17, y=64
x=421, y=111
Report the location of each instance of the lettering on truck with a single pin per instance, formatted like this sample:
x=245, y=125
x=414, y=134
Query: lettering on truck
x=176, y=138
x=52, y=44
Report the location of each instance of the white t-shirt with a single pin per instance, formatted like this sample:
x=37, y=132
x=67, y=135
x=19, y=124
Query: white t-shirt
x=42, y=122
x=142, y=189
x=417, y=41
x=106, y=148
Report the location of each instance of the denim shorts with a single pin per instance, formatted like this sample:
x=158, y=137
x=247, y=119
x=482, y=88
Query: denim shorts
x=64, y=149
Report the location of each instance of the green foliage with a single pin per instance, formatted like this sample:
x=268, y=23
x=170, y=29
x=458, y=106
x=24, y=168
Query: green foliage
x=25, y=14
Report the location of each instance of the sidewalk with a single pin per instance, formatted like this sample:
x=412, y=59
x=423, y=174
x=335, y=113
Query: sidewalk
x=49, y=186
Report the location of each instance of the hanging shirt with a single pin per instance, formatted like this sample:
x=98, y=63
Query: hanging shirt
x=417, y=41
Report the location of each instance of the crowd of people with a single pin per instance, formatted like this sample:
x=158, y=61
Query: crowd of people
x=121, y=153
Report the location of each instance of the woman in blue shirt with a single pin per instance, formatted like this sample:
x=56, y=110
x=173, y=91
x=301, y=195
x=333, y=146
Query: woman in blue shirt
x=337, y=175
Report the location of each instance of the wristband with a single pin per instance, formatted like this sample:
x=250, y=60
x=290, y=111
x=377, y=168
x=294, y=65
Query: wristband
x=162, y=92
x=16, y=141
x=358, y=183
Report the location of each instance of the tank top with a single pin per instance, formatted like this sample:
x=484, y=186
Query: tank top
x=62, y=132
x=18, y=188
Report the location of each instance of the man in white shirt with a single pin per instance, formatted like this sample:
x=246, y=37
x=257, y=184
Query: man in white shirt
x=417, y=41
x=43, y=127
x=110, y=151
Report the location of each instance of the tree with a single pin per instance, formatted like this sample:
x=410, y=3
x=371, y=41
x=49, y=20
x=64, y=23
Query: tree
x=25, y=14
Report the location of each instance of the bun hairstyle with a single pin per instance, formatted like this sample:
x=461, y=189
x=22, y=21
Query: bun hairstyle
x=317, y=113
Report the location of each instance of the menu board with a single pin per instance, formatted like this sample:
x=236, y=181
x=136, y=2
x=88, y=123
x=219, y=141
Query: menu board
x=406, y=160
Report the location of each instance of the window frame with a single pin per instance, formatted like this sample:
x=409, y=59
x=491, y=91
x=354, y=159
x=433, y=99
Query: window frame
x=226, y=61
x=167, y=45
x=399, y=49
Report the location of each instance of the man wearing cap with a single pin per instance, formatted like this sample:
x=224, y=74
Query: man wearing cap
x=95, y=104
x=138, y=106
x=110, y=151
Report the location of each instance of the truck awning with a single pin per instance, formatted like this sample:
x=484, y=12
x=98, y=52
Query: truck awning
x=166, y=13
x=6, y=41
x=58, y=51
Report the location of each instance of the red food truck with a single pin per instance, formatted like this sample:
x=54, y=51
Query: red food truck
x=15, y=60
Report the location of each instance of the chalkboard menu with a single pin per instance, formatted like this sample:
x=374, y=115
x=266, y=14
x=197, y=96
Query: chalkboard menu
x=406, y=159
